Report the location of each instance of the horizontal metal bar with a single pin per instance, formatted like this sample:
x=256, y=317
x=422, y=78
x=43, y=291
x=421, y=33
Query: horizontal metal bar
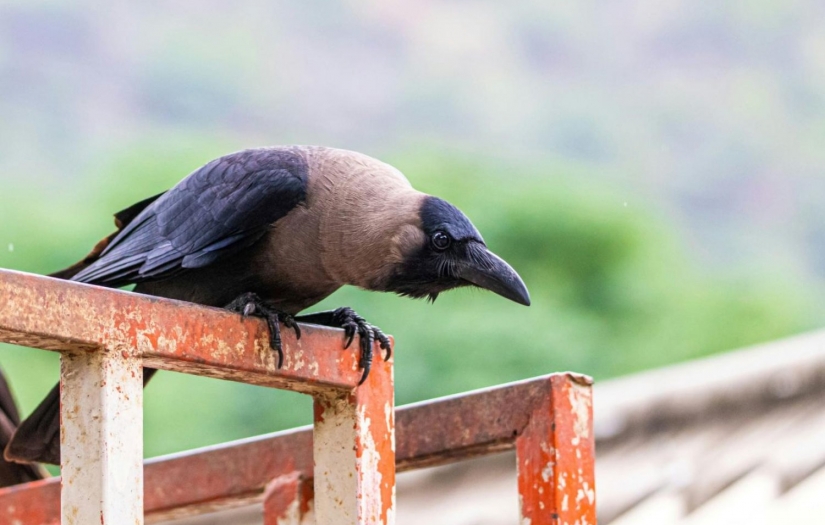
x=475, y=423
x=51, y=314
x=35, y=503
x=429, y=433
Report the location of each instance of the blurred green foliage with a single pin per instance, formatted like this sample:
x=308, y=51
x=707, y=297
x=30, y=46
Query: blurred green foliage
x=615, y=288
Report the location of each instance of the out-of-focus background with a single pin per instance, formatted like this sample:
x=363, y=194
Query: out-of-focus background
x=654, y=171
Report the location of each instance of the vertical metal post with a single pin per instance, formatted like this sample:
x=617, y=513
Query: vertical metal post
x=556, y=454
x=101, y=396
x=288, y=501
x=354, y=450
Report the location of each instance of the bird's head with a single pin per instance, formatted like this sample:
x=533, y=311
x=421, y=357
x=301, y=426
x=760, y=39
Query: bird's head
x=448, y=252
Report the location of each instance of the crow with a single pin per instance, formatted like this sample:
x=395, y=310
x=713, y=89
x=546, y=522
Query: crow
x=272, y=231
x=12, y=473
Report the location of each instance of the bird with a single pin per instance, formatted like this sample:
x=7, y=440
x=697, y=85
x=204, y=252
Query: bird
x=13, y=473
x=271, y=231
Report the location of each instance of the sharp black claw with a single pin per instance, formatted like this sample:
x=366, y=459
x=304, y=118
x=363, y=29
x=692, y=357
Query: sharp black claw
x=349, y=333
x=275, y=336
x=355, y=325
x=364, y=375
x=290, y=322
x=250, y=304
x=365, y=335
x=385, y=343
x=370, y=339
x=365, y=361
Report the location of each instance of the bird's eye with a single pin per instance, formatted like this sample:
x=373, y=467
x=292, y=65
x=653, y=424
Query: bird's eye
x=441, y=241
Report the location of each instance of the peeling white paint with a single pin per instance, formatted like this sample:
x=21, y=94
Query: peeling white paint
x=102, y=438
x=370, y=486
x=298, y=360
x=336, y=483
x=309, y=516
x=292, y=514
x=547, y=471
x=590, y=492
x=580, y=402
x=389, y=416
x=348, y=485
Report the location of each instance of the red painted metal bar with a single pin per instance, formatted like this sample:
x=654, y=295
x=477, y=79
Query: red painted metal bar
x=105, y=336
x=222, y=476
x=555, y=457
x=289, y=500
x=52, y=314
x=429, y=433
x=35, y=503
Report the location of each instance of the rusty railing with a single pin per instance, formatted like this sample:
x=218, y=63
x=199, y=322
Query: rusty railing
x=342, y=470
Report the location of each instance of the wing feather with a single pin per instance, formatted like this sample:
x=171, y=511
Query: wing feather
x=219, y=209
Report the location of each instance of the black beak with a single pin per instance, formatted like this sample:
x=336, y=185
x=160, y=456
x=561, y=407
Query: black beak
x=487, y=270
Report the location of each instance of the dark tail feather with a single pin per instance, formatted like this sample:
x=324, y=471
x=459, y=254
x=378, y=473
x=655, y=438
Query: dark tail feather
x=37, y=439
x=12, y=473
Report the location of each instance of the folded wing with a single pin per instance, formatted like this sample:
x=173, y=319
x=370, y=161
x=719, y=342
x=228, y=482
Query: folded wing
x=220, y=209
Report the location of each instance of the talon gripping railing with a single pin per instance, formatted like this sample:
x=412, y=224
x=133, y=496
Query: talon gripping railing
x=341, y=471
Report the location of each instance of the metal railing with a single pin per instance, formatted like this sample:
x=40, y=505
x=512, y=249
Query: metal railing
x=341, y=471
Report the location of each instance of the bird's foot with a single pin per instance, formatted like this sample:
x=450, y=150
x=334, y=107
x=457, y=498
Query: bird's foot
x=352, y=323
x=249, y=304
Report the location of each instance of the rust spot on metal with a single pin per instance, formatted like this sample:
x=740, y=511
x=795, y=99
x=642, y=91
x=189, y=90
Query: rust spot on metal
x=287, y=500
x=375, y=445
x=547, y=420
x=237, y=472
x=356, y=483
x=307, y=496
x=555, y=455
x=52, y=314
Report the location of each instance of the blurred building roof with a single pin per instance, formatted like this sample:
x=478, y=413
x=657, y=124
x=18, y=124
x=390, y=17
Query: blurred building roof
x=736, y=438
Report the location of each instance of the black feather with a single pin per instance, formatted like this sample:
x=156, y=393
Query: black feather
x=221, y=208
x=438, y=214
